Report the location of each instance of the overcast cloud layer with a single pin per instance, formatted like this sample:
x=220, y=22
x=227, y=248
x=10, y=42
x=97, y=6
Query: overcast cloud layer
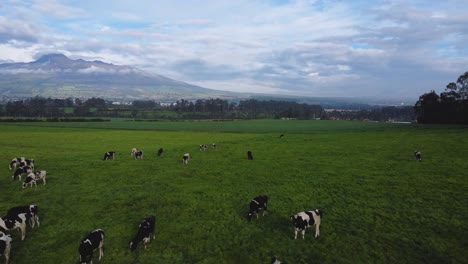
x=382, y=48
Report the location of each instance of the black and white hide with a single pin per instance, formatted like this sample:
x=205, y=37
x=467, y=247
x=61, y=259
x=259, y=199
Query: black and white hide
x=5, y=246
x=27, y=162
x=109, y=155
x=186, y=158
x=12, y=222
x=258, y=204
x=203, y=147
x=306, y=219
x=15, y=163
x=213, y=145
x=20, y=171
x=418, y=155
x=134, y=150
x=31, y=212
x=34, y=177
x=160, y=152
x=92, y=242
x=249, y=155
x=139, y=154
x=276, y=261
x=145, y=229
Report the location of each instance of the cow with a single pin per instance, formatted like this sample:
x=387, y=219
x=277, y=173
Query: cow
x=276, y=261
x=134, y=150
x=139, y=154
x=160, y=152
x=186, y=158
x=281, y=136
x=108, y=155
x=258, y=204
x=145, y=229
x=20, y=171
x=12, y=222
x=5, y=246
x=15, y=162
x=92, y=242
x=34, y=177
x=249, y=155
x=27, y=162
x=213, y=145
x=306, y=219
x=203, y=147
x=418, y=155
x=31, y=212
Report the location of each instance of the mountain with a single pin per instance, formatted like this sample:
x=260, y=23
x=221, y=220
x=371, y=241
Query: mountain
x=57, y=76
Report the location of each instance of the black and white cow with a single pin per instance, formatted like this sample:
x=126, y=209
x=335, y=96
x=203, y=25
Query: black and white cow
x=160, y=151
x=33, y=178
x=5, y=246
x=139, y=154
x=145, y=229
x=213, y=145
x=249, y=155
x=258, y=204
x=186, y=158
x=306, y=219
x=134, y=150
x=15, y=162
x=31, y=212
x=418, y=155
x=109, y=155
x=12, y=222
x=276, y=261
x=203, y=147
x=20, y=171
x=27, y=162
x=92, y=242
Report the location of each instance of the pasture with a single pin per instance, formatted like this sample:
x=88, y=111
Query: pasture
x=379, y=204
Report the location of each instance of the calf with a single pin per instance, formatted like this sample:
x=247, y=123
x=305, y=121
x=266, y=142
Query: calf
x=145, y=229
x=203, y=147
x=34, y=177
x=134, y=150
x=139, y=154
x=160, y=152
x=15, y=162
x=418, y=155
x=213, y=145
x=186, y=158
x=256, y=205
x=20, y=171
x=27, y=162
x=93, y=241
x=249, y=155
x=30, y=211
x=5, y=246
x=306, y=219
x=12, y=222
x=108, y=155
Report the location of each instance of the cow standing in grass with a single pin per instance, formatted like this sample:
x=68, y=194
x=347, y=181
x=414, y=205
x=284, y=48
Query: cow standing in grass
x=31, y=212
x=160, y=152
x=20, y=171
x=12, y=222
x=109, y=155
x=5, y=246
x=258, y=204
x=249, y=155
x=92, y=242
x=33, y=178
x=306, y=219
x=186, y=158
x=145, y=229
x=418, y=155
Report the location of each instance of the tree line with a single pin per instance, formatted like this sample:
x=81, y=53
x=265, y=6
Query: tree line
x=450, y=107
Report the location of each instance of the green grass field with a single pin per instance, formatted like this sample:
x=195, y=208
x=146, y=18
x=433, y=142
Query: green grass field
x=379, y=204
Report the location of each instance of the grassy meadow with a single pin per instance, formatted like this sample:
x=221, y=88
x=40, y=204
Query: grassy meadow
x=379, y=204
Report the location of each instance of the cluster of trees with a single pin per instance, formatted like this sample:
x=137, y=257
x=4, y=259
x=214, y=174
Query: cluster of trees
x=181, y=109
x=450, y=107
x=386, y=114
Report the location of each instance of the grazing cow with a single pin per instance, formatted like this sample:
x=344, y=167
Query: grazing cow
x=139, y=154
x=5, y=246
x=93, y=241
x=15, y=162
x=33, y=178
x=256, y=205
x=108, y=155
x=304, y=220
x=160, y=152
x=20, y=171
x=145, y=229
x=186, y=158
x=213, y=145
x=203, y=147
x=31, y=212
x=27, y=162
x=276, y=261
x=249, y=155
x=281, y=136
x=418, y=155
x=134, y=150
x=12, y=222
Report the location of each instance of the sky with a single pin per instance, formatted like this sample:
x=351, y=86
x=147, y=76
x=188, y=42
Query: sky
x=392, y=49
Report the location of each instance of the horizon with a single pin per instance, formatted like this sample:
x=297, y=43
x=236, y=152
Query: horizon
x=396, y=50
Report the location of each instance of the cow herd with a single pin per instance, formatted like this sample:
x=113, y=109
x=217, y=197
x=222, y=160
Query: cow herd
x=18, y=217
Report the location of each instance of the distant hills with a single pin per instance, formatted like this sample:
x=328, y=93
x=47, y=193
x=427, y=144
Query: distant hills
x=57, y=76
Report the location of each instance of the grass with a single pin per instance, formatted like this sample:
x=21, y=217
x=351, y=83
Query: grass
x=380, y=205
